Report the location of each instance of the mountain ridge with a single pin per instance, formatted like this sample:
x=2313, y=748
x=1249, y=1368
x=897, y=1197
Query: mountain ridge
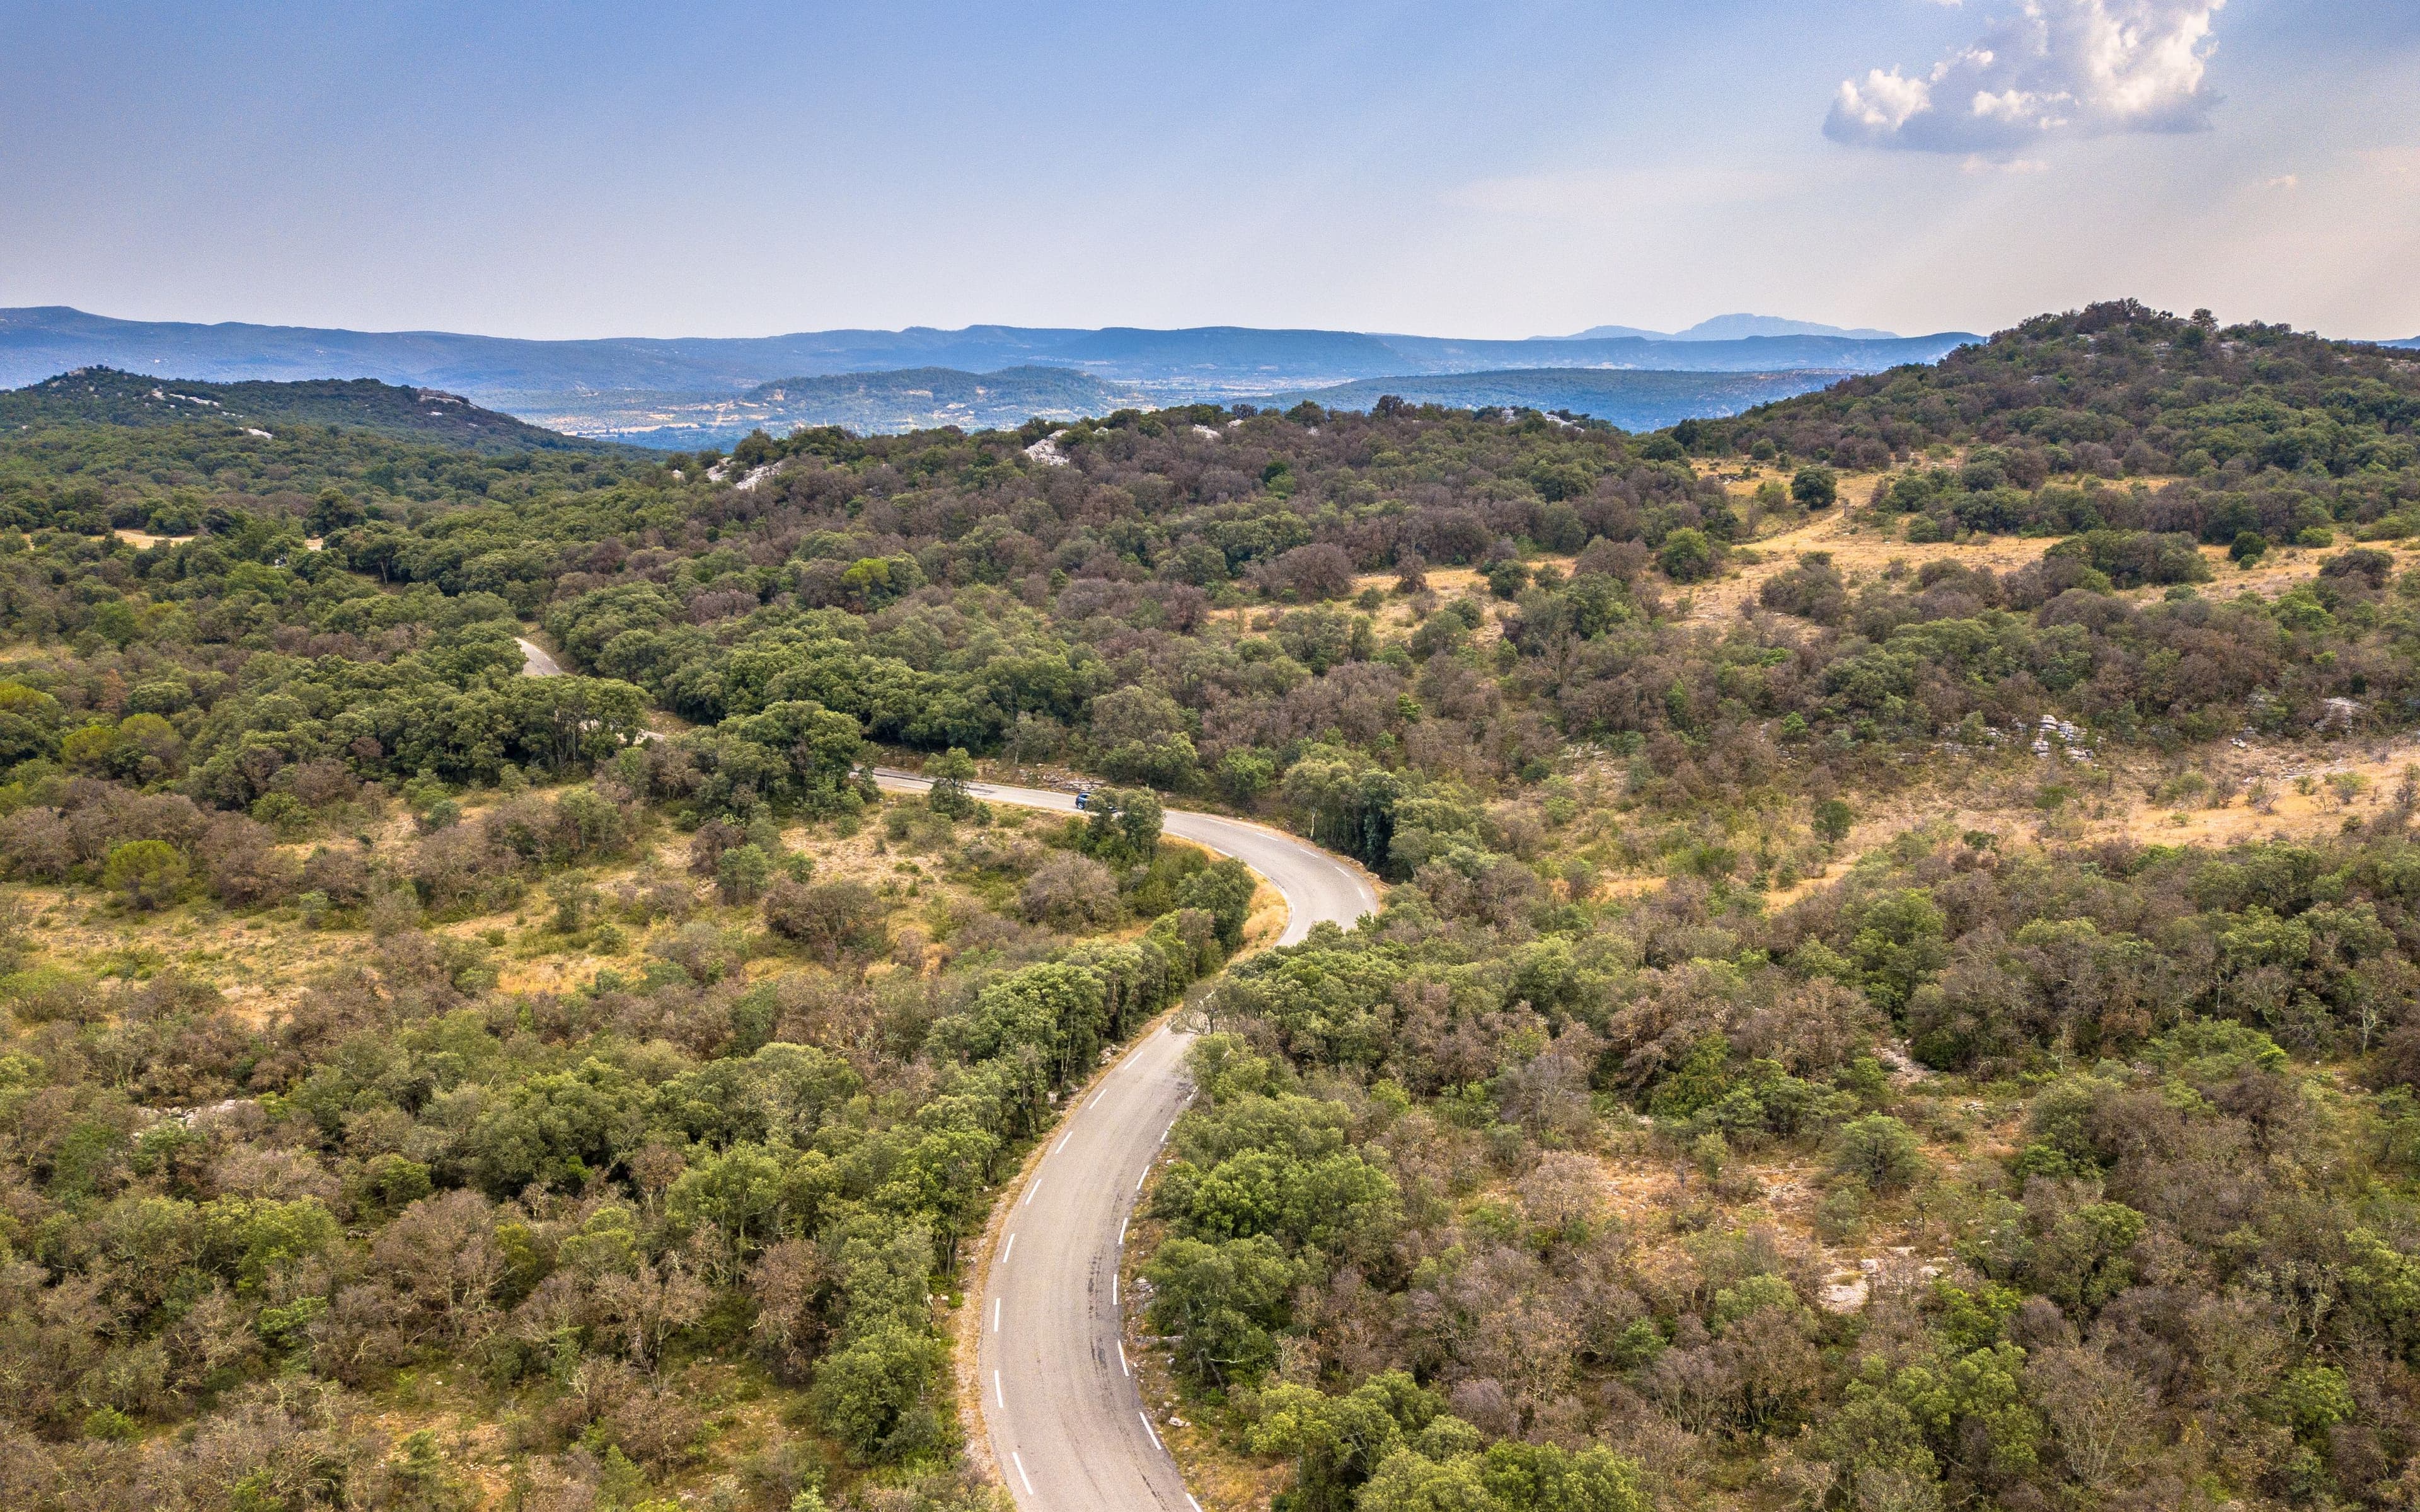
x=563, y=380
x=1732, y=327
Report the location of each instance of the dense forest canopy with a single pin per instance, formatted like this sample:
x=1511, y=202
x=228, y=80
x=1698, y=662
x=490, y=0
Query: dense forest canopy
x=613, y=1071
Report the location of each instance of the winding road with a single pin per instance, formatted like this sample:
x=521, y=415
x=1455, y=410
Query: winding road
x=1067, y=1422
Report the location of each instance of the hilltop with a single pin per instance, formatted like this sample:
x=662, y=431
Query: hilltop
x=1732, y=327
x=105, y=396
x=1631, y=399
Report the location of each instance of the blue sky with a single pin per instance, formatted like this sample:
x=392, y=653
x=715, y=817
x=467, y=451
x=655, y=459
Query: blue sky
x=1450, y=169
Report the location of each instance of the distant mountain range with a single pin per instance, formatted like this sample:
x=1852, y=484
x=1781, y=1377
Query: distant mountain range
x=2414, y=342
x=622, y=386
x=1734, y=328
x=922, y=397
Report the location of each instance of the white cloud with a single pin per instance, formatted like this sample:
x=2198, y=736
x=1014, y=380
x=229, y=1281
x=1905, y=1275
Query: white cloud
x=2051, y=68
x=2283, y=182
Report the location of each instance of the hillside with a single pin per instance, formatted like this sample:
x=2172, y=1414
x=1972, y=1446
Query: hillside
x=916, y=398
x=1898, y=979
x=105, y=396
x=1632, y=400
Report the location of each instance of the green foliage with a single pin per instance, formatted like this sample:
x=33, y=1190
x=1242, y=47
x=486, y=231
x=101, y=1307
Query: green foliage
x=1815, y=488
x=1688, y=556
x=1878, y=1150
x=1337, y=1443
x=1222, y=1302
x=951, y=771
x=147, y=874
x=870, y=1394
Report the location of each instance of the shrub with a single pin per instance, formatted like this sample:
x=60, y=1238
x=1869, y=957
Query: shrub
x=1073, y=893
x=1815, y=488
x=1687, y=556
x=1879, y=1151
x=147, y=874
x=825, y=916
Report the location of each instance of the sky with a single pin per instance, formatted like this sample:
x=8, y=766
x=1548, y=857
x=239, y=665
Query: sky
x=1451, y=169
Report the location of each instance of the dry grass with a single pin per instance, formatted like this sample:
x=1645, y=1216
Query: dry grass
x=1862, y=552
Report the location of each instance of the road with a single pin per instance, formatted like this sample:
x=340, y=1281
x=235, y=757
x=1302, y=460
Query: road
x=535, y=662
x=1059, y=1397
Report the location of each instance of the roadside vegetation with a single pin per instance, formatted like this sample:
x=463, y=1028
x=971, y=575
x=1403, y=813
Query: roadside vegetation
x=1897, y=989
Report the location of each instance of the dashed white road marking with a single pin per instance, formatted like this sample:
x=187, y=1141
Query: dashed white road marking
x=995, y=1315
x=1031, y=1190
x=1148, y=1428
x=1029, y=1480
x=1008, y=1250
x=1124, y=1368
x=997, y=1395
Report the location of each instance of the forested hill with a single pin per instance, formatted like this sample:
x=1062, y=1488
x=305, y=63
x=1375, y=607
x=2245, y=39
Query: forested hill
x=106, y=396
x=1899, y=986
x=2120, y=383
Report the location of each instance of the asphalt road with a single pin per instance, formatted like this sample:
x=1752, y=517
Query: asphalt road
x=1059, y=1399
x=535, y=662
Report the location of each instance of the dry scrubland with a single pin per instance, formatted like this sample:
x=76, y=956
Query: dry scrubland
x=1770, y=1085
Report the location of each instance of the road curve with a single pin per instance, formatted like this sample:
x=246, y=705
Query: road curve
x=1059, y=1397
x=535, y=661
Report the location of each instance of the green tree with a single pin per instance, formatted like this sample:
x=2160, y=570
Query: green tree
x=1688, y=555
x=1224, y=890
x=741, y=872
x=1815, y=488
x=147, y=874
x=1879, y=1151
x=871, y=1392
x=951, y=772
x=1900, y=943
x=1223, y=1302
x=1337, y=1442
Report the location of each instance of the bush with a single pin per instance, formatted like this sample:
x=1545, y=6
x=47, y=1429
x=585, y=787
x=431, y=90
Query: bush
x=1815, y=488
x=825, y=916
x=1507, y=577
x=1687, y=556
x=741, y=872
x=1879, y=1151
x=1074, y=893
x=870, y=1396
x=147, y=874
